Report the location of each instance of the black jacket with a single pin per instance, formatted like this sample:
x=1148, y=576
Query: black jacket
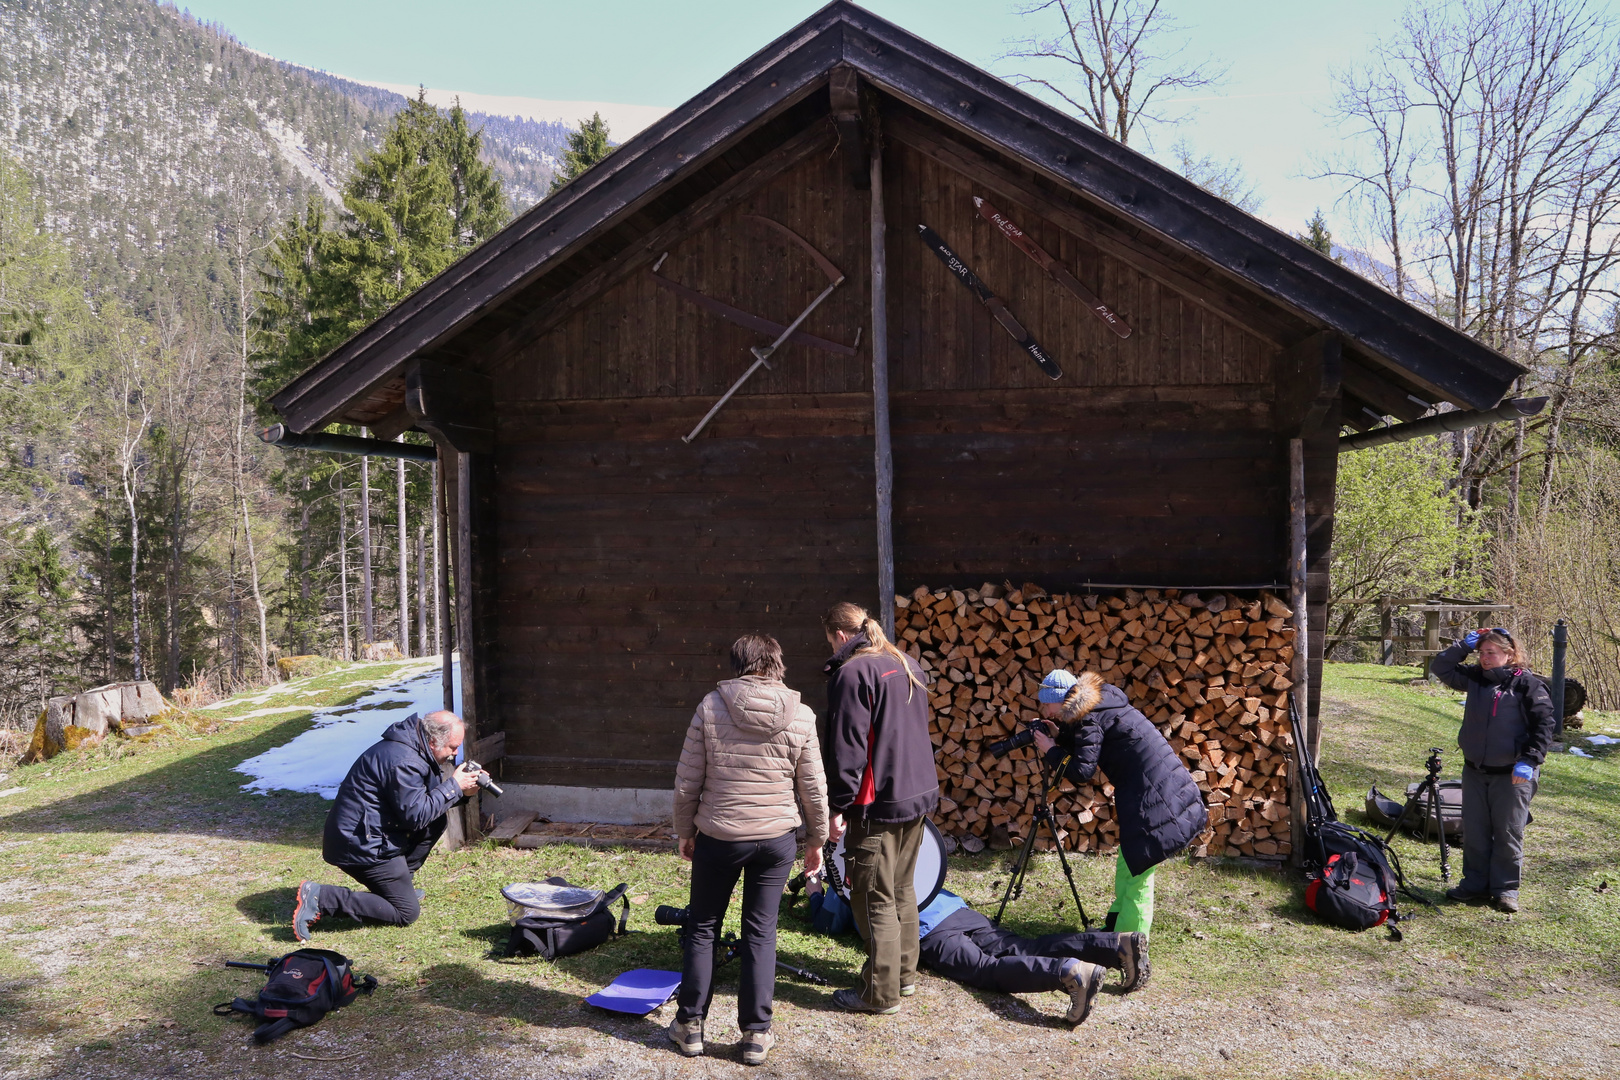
x=878, y=752
x=1158, y=805
x=1508, y=717
x=392, y=802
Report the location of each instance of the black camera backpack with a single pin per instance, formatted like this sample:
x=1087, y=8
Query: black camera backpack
x=554, y=936
x=1353, y=874
x=303, y=986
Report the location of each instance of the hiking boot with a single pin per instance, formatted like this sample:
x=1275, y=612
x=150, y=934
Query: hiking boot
x=308, y=910
x=1463, y=896
x=755, y=1045
x=421, y=895
x=1507, y=901
x=687, y=1037
x=851, y=999
x=1082, y=981
x=1134, y=968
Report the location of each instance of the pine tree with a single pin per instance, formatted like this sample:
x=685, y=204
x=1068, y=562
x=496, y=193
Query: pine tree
x=586, y=147
x=1319, y=237
x=34, y=600
x=415, y=205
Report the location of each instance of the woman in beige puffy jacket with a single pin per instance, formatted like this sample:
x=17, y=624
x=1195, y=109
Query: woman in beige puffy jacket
x=751, y=748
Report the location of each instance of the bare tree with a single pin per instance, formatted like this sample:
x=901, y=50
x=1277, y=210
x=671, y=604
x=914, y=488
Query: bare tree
x=1110, y=60
x=132, y=416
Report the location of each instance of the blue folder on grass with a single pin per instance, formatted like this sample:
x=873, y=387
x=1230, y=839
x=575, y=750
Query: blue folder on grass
x=639, y=991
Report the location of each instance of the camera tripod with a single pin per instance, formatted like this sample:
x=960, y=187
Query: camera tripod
x=1430, y=788
x=1020, y=867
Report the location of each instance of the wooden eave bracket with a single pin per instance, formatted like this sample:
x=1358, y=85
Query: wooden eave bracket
x=454, y=405
x=1310, y=374
x=844, y=90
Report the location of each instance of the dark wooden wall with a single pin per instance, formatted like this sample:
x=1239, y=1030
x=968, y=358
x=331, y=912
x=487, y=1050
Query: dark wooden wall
x=629, y=560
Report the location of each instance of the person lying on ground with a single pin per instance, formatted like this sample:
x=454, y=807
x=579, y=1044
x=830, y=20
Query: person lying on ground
x=1156, y=801
x=389, y=812
x=1507, y=727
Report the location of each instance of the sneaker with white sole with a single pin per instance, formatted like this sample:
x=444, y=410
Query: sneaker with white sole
x=1134, y=967
x=308, y=909
x=1083, y=982
x=687, y=1037
x=755, y=1045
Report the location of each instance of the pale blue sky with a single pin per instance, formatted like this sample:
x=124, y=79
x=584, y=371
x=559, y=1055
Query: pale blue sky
x=655, y=52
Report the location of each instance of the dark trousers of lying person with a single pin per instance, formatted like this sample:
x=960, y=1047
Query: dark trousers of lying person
x=392, y=899
x=968, y=948
x=764, y=866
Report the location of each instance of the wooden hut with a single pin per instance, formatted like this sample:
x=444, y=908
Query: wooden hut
x=901, y=437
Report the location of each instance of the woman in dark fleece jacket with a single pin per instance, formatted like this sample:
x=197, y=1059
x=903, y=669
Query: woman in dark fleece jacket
x=881, y=782
x=1156, y=802
x=1507, y=727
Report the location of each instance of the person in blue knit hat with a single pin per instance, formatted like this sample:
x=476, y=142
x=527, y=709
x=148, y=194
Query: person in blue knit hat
x=1156, y=802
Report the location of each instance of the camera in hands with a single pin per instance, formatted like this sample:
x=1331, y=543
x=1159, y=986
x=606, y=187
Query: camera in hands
x=485, y=782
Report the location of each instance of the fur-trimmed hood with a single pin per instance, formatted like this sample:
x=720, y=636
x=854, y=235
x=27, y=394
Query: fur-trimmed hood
x=1083, y=696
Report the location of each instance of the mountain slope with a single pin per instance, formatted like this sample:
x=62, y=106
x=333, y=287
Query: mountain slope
x=150, y=136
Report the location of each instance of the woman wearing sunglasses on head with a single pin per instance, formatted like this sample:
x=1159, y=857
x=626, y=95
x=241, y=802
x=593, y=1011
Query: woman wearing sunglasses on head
x=1507, y=727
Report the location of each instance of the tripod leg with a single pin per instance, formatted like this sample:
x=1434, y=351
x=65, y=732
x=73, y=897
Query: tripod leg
x=1015, y=883
x=1063, y=860
x=1440, y=827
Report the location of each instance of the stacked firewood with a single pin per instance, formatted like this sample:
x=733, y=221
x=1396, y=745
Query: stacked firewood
x=1211, y=670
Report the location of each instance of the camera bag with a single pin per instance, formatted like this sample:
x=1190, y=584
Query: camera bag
x=553, y=936
x=303, y=986
x=1350, y=893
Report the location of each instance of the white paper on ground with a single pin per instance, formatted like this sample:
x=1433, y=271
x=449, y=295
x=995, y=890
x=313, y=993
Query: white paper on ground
x=317, y=761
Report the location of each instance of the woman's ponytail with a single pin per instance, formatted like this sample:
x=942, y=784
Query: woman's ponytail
x=854, y=619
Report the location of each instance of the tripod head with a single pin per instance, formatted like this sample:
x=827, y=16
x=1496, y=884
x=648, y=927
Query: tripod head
x=1434, y=764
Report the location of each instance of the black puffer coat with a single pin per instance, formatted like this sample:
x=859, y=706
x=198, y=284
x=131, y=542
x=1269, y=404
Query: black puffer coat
x=392, y=802
x=1158, y=805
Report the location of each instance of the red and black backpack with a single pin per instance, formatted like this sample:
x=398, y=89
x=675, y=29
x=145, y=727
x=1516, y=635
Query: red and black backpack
x=303, y=987
x=1350, y=892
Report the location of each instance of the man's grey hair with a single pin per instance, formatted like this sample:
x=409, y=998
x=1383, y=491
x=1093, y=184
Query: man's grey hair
x=437, y=727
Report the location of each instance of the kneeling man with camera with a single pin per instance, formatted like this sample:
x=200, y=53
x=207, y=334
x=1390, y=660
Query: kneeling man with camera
x=389, y=812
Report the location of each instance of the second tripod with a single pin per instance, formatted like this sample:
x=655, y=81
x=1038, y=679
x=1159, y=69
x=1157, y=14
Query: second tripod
x=1423, y=805
x=1020, y=868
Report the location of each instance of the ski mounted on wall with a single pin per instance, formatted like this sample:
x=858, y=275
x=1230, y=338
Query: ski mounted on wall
x=1057, y=270
x=998, y=308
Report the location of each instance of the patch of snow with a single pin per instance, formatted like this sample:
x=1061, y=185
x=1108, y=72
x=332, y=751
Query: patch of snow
x=256, y=713
x=298, y=156
x=12, y=791
x=317, y=761
x=1602, y=740
x=1578, y=752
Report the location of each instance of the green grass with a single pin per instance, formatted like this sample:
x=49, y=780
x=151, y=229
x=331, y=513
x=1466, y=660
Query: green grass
x=129, y=872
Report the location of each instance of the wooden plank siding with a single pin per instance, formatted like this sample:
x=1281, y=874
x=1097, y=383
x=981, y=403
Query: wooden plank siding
x=630, y=560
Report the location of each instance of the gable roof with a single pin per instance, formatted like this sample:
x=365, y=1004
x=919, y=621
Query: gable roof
x=667, y=163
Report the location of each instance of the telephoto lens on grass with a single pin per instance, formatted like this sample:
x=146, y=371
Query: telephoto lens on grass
x=670, y=916
x=484, y=781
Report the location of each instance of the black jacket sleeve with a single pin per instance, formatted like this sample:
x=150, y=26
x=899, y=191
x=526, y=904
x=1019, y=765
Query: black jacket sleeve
x=1542, y=723
x=849, y=726
x=1448, y=667
x=1087, y=752
x=413, y=804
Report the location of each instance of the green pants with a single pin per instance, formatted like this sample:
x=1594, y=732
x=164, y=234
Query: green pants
x=1133, y=899
x=881, y=860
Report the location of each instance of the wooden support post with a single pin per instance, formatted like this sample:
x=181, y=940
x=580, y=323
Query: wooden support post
x=1431, y=638
x=1386, y=635
x=883, y=455
x=441, y=582
x=1300, y=674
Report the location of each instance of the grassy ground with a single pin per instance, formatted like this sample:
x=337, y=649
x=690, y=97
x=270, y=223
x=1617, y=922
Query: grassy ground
x=129, y=872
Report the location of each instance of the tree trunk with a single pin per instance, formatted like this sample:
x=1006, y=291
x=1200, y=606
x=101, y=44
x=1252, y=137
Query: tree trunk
x=343, y=565
x=258, y=599
x=367, y=626
x=134, y=570
x=171, y=665
x=404, y=561
x=422, y=644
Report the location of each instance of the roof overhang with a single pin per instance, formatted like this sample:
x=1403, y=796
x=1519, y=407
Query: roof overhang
x=1420, y=349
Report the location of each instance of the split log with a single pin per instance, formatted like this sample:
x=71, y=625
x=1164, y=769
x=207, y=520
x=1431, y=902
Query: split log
x=1211, y=671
